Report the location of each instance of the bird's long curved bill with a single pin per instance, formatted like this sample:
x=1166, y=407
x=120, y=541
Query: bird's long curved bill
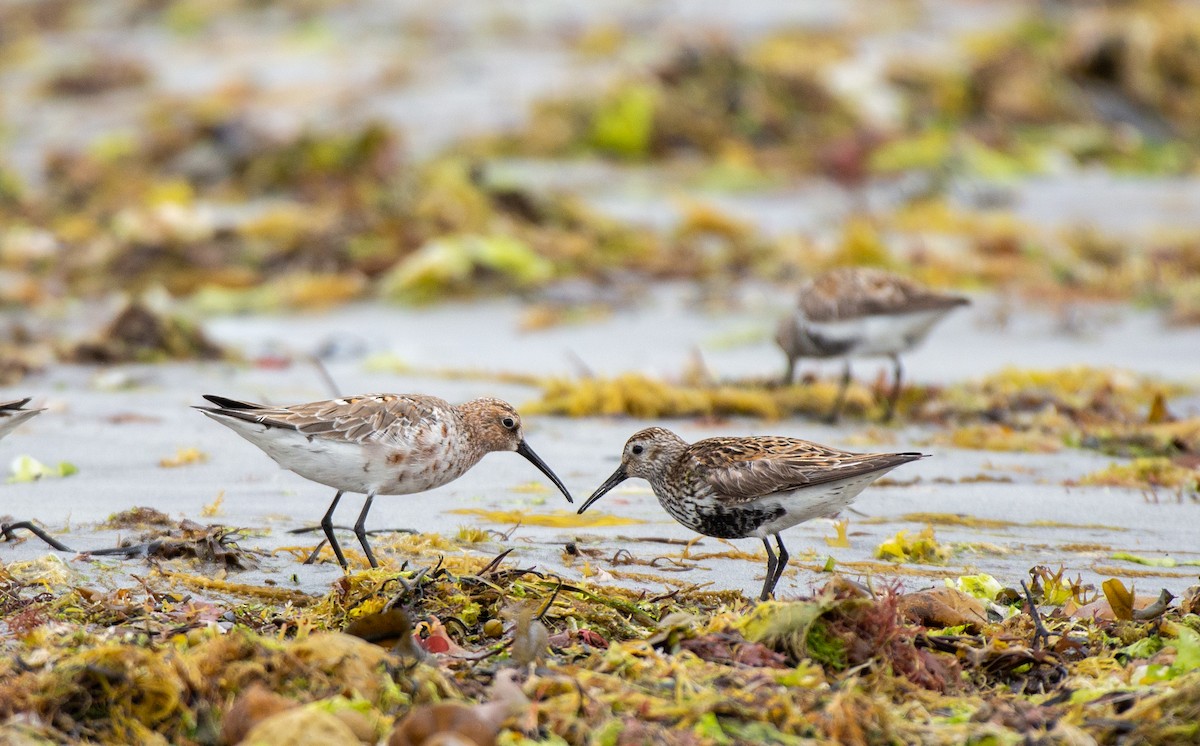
x=524, y=449
x=617, y=477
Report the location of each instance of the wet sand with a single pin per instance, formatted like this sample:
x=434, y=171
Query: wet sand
x=118, y=463
x=444, y=74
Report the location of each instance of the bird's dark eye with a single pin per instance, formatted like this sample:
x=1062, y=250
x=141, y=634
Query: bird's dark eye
x=508, y=422
x=637, y=450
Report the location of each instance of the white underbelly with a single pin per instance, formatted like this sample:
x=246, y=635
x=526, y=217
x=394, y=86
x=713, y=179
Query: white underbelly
x=808, y=503
x=355, y=468
x=870, y=336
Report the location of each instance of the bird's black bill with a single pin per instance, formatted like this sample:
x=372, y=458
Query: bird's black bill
x=617, y=477
x=524, y=449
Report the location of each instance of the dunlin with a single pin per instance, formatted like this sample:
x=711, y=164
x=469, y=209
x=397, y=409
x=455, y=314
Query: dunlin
x=12, y=414
x=861, y=312
x=381, y=444
x=732, y=488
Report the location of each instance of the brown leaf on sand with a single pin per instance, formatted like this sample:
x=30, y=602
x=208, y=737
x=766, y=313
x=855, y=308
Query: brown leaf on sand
x=942, y=607
x=1155, y=609
x=1120, y=599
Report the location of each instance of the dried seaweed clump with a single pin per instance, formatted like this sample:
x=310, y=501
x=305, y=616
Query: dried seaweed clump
x=139, y=334
x=203, y=203
x=767, y=103
x=1113, y=411
x=1082, y=394
x=1153, y=471
x=214, y=545
x=116, y=691
x=1111, y=86
x=473, y=600
x=638, y=395
x=139, y=518
x=1145, y=50
x=96, y=74
x=474, y=646
x=923, y=548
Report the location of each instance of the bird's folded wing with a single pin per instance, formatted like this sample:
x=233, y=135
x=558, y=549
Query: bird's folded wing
x=875, y=293
x=751, y=477
x=360, y=419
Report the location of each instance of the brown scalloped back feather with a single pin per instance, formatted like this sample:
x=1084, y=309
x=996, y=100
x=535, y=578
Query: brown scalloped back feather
x=353, y=419
x=746, y=469
x=855, y=292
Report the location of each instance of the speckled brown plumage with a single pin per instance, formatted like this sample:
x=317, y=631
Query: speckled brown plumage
x=745, y=469
x=750, y=486
x=378, y=444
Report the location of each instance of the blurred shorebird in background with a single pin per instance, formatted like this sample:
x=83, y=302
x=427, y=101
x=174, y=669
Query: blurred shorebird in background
x=860, y=312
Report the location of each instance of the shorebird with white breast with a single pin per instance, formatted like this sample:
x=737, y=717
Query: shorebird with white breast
x=733, y=488
x=861, y=312
x=378, y=444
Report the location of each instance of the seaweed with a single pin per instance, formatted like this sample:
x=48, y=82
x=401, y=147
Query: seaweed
x=468, y=646
x=558, y=519
x=138, y=334
x=922, y=548
x=330, y=215
x=208, y=544
x=1148, y=471
x=94, y=75
x=640, y=396
x=769, y=101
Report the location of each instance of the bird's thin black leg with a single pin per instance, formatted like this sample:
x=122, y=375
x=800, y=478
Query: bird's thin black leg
x=897, y=374
x=768, y=581
x=781, y=563
x=8, y=531
x=840, y=401
x=361, y=532
x=789, y=373
x=327, y=527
